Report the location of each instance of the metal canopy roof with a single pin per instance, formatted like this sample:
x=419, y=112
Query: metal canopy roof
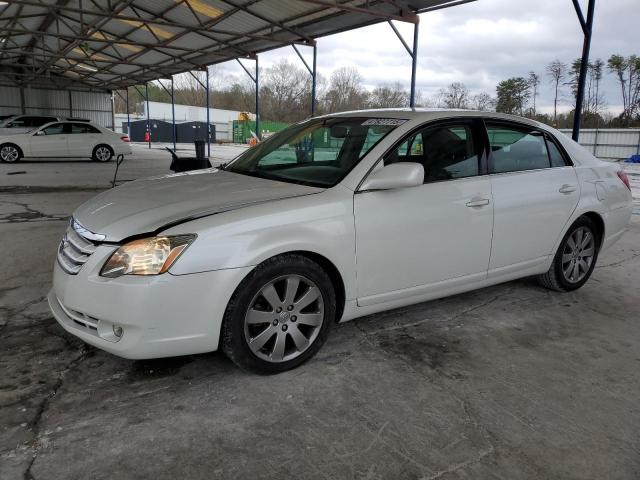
x=115, y=43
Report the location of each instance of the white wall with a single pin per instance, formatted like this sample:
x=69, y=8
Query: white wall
x=610, y=143
x=42, y=99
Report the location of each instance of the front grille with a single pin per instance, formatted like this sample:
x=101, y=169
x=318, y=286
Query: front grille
x=74, y=249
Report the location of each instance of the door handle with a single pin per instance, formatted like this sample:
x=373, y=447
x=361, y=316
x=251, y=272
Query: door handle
x=477, y=202
x=566, y=188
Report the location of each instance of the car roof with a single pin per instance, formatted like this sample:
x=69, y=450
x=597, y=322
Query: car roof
x=426, y=114
x=71, y=121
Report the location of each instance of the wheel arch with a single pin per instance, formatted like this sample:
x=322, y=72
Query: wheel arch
x=327, y=265
x=597, y=219
x=334, y=274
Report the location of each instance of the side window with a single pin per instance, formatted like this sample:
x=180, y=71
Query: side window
x=18, y=122
x=55, y=129
x=38, y=121
x=557, y=159
x=445, y=151
x=514, y=149
x=83, y=128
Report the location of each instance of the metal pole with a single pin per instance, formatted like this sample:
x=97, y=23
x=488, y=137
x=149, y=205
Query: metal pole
x=146, y=94
x=208, y=125
x=313, y=83
x=173, y=115
x=584, y=65
x=128, y=118
x=414, y=61
x=257, y=101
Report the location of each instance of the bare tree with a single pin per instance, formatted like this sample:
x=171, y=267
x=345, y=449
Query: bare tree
x=455, y=95
x=483, y=102
x=556, y=71
x=389, y=96
x=188, y=90
x=345, y=91
x=286, y=92
x=627, y=72
x=596, y=74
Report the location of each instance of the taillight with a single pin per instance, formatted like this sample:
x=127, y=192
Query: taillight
x=125, y=138
x=623, y=176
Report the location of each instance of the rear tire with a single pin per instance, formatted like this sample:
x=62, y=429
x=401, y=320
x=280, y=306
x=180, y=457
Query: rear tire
x=279, y=316
x=10, y=153
x=102, y=153
x=575, y=259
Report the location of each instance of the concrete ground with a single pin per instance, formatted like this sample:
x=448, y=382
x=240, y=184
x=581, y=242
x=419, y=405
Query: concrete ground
x=508, y=382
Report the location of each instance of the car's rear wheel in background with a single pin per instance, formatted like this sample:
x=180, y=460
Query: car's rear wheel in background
x=10, y=153
x=102, y=153
x=575, y=259
x=279, y=316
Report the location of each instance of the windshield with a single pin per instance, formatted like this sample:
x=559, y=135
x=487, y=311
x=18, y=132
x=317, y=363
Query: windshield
x=318, y=152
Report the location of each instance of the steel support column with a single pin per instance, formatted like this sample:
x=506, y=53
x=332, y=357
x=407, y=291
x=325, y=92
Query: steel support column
x=256, y=80
x=128, y=118
x=414, y=63
x=173, y=110
x=313, y=82
x=413, y=53
x=587, y=29
x=146, y=91
x=312, y=72
x=208, y=124
x=258, y=101
x=173, y=115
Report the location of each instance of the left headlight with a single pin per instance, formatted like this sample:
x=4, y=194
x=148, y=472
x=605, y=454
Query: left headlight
x=146, y=256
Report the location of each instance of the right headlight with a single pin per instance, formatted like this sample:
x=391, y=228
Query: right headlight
x=146, y=256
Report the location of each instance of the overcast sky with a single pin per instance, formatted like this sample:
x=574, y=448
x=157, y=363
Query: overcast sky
x=481, y=43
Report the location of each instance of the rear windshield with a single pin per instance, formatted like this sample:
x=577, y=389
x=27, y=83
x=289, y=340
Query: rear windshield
x=319, y=152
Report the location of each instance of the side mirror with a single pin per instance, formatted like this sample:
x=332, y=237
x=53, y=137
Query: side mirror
x=39, y=133
x=396, y=175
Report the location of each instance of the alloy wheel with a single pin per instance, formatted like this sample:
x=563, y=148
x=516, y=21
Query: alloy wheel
x=103, y=154
x=284, y=318
x=578, y=254
x=9, y=154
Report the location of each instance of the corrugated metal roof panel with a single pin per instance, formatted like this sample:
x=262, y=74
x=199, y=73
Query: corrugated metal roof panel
x=203, y=32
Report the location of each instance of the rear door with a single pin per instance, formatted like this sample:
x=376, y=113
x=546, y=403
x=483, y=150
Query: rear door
x=535, y=190
x=83, y=137
x=50, y=141
x=410, y=241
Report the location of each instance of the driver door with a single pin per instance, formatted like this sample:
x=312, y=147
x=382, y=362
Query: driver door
x=417, y=240
x=51, y=141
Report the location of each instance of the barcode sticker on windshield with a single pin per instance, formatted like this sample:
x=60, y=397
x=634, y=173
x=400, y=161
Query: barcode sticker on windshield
x=394, y=122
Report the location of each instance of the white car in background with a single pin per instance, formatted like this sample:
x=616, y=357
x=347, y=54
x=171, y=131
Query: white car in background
x=331, y=219
x=65, y=139
x=12, y=124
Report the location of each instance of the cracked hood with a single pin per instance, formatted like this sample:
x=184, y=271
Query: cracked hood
x=146, y=205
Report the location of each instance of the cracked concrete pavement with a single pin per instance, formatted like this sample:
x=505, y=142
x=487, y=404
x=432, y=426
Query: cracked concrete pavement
x=511, y=381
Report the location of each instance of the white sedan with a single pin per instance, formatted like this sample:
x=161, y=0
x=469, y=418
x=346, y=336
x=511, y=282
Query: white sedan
x=65, y=139
x=331, y=219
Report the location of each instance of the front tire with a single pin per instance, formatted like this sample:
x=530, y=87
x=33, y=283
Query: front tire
x=10, y=153
x=575, y=259
x=102, y=153
x=279, y=316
